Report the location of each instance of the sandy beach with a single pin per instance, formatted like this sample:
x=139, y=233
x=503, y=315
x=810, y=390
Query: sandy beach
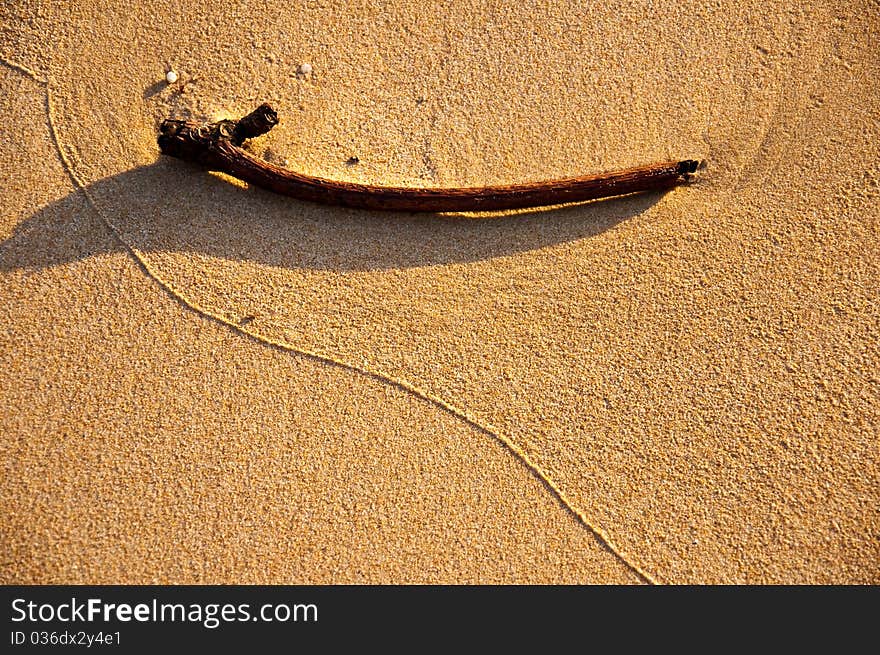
x=204, y=382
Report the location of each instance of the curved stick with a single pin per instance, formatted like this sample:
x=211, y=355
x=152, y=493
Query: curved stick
x=217, y=146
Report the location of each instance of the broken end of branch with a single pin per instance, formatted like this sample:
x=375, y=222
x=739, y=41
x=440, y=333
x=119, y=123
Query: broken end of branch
x=258, y=122
x=687, y=167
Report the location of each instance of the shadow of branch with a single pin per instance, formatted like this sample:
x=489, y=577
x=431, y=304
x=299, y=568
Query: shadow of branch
x=173, y=207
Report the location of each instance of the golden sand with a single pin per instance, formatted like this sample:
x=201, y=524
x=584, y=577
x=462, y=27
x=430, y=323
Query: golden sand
x=204, y=382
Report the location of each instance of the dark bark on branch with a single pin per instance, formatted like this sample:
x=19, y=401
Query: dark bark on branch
x=216, y=146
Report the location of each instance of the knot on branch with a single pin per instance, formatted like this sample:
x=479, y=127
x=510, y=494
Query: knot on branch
x=198, y=142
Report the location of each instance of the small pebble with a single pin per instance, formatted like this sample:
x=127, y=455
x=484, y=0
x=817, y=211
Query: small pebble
x=171, y=77
x=305, y=69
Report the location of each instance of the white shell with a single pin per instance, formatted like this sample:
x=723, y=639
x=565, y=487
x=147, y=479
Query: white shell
x=171, y=77
x=305, y=69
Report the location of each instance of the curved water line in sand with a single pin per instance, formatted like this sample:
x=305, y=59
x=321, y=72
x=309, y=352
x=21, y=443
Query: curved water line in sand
x=28, y=72
x=601, y=535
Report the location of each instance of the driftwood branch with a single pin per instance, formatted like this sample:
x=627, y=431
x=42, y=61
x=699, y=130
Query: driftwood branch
x=217, y=147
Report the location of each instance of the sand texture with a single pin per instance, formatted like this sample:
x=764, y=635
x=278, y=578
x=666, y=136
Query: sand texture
x=205, y=382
